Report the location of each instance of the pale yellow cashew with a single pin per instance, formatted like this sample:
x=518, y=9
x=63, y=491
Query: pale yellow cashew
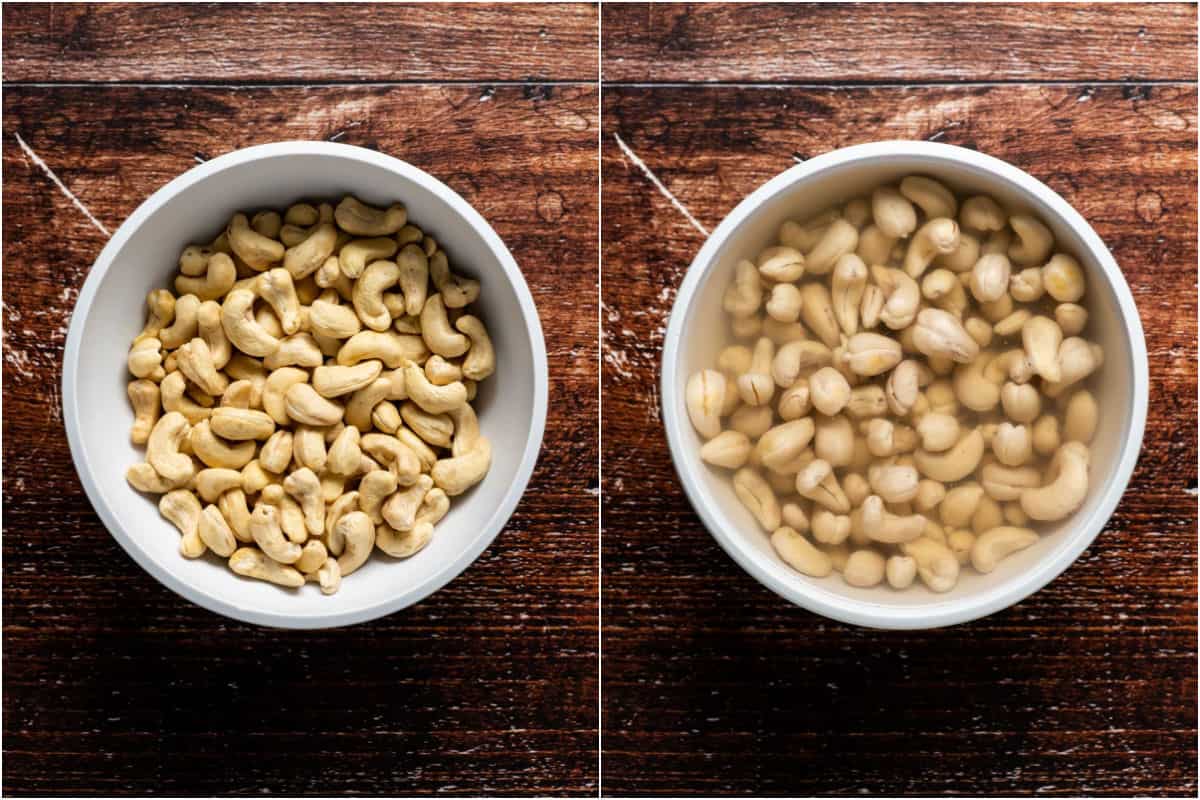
x=1012, y=444
x=1081, y=417
x=864, y=568
x=275, y=389
x=993, y=545
x=901, y=571
x=308, y=448
x=830, y=528
x=799, y=553
x=313, y=555
x=456, y=291
x=728, y=449
x=357, y=533
x=893, y=213
x=829, y=391
x=1067, y=487
x=195, y=361
x=354, y=257
x=1071, y=318
x=902, y=297
x=817, y=482
x=962, y=257
x=782, y=263
x=142, y=477
x=185, y=324
x=795, y=358
x=335, y=381
x=1026, y=286
x=457, y=474
x=162, y=448
x=804, y=236
x=849, y=283
x=368, y=294
x=304, y=486
x=393, y=454
x=990, y=277
x=241, y=424
x=160, y=305
x=403, y=544
x=182, y=508
x=1041, y=338
x=1077, y=358
x=400, y=509
x=329, y=575
x=943, y=288
x=758, y=497
x=982, y=213
x=253, y=563
x=937, y=565
x=211, y=483
x=838, y=239
x=433, y=508
x=215, y=452
x=258, y=251
x=329, y=319
x=756, y=386
x=816, y=312
x=934, y=199
x=276, y=453
x=337, y=509
x=881, y=525
x=265, y=528
x=1008, y=483
x=210, y=330
x=874, y=245
x=954, y=464
x=345, y=453
x=939, y=333
x=870, y=354
x=360, y=219
x=276, y=288
x=1063, y=278
x=1021, y=402
x=144, y=397
x=430, y=397
x=439, y=336
x=1034, y=240
x=894, y=483
x=305, y=406
x=938, y=236
x=243, y=330
x=300, y=350
x=390, y=348
x=386, y=417
x=218, y=279
x=441, y=372
x=363, y=402
x=412, y=273
x=867, y=401
x=215, y=532
x=145, y=359
x=306, y=256
x=705, y=395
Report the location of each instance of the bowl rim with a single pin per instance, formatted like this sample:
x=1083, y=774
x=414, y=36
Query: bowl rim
x=804, y=592
x=408, y=595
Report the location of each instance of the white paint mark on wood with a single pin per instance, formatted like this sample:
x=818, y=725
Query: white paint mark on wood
x=61, y=186
x=680, y=207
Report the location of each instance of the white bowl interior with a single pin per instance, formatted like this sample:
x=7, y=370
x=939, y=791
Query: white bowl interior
x=508, y=403
x=704, y=333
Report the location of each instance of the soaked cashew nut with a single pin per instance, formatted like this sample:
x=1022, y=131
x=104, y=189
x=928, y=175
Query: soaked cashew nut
x=782, y=263
x=993, y=545
x=705, y=395
x=1063, y=278
x=817, y=482
x=939, y=333
x=937, y=565
x=1066, y=489
x=1012, y=444
x=839, y=238
x=881, y=525
x=982, y=213
x=1041, y=338
x=944, y=289
x=954, y=464
x=864, y=568
x=936, y=237
x=758, y=497
x=799, y=553
x=1081, y=417
x=870, y=354
x=934, y=199
x=893, y=213
x=902, y=297
x=1007, y=483
x=849, y=283
x=1026, y=286
x=1034, y=240
x=990, y=277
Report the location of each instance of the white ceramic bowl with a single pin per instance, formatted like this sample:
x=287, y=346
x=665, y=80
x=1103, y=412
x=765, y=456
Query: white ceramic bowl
x=143, y=255
x=697, y=332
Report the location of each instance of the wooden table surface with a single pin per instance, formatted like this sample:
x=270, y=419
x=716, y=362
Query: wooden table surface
x=711, y=683
x=112, y=684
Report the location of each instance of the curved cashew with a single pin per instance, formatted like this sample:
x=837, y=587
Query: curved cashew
x=993, y=545
x=457, y=474
x=456, y=290
x=184, y=328
x=376, y=486
x=275, y=286
x=144, y=397
x=849, y=283
x=400, y=509
x=214, y=531
x=794, y=402
x=954, y=464
x=275, y=389
x=937, y=565
x=796, y=357
x=243, y=330
x=881, y=525
x=830, y=528
x=436, y=330
x=195, y=361
x=817, y=482
x=162, y=449
x=253, y=563
x=390, y=348
x=354, y=257
x=480, y=361
x=817, y=313
x=782, y=263
x=160, y=305
x=430, y=397
x=266, y=529
x=403, y=544
x=433, y=508
x=211, y=483
x=258, y=251
x=800, y=554
x=962, y=257
x=804, y=236
x=145, y=359
x=728, y=449
x=335, y=381
x=1077, y=359
x=345, y=453
x=943, y=288
x=307, y=256
x=327, y=318
x=368, y=294
x=1026, y=286
x=940, y=334
x=1067, y=488
x=982, y=213
x=441, y=372
x=300, y=350
x=337, y=509
x=305, y=406
x=1034, y=240
x=901, y=294
x=870, y=354
x=386, y=417
x=874, y=246
x=142, y=477
x=1041, y=338
x=893, y=213
x=990, y=277
x=183, y=509
x=934, y=199
x=216, y=452
x=276, y=453
x=839, y=238
x=304, y=485
x=210, y=330
x=360, y=219
x=241, y=424
x=903, y=386
x=757, y=496
x=394, y=454
x=218, y=279
x=412, y=272
x=936, y=237
x=362, y=403
x=1007, y=483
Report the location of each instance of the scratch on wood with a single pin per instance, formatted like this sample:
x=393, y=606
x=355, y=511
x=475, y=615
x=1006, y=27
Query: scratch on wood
x=680, y=207
x=61, y=186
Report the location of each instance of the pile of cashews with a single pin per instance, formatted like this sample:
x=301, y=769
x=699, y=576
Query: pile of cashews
x=304, y=395
x=907, y=395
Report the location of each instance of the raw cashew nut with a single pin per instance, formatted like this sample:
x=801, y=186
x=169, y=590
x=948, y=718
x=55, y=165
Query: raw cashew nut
x=162, y=448
x=307, y=256
x=881, y=525
x=954, y=464
x=359, y=219
x=870, y=354
x=705, y=394
x=389, y=347
x=937, y=565
x=368, y=294
x=253, y=563
x=1063, y=278
x=901, y=571
x=305, y=406
x=938, y=432
x=1081, y=417
x=357, y=533
x=728, y=449
x=1008, y=483
x=902, y=297
x=328, y=318
x=403, y=544
x=838, y=239
x=893, y=213
x=982, y=213
x=480, y=361
x=849, y=282
x=1067, y=487
x=903, y=386
x=1012, y=444
x=195, y=361
x=304, y=485
x=218, y=279
x=864, y=568
x=829, y=390
x=940, y=334
x=817, y=482
x=145, y=359
x=430, y=397
x=265, y=527
x=783, y=264
x=456, y=290
x=998, y=543
x=184, y=328
x=242, y=329
x=160, y=305
x=936, y=237
x=895, y=483
x=457, y=474
x=934, y=199
x=1034, y=240
x=799, y=553
x=215, y=532
x=796, y=357
x=211, y=483
x=182, y=508
x=758, y=497
x=400, y=509
x=256, y=250
x=335, y=381
x=144, y=397
x=817, y=313
x=990, y=277
x=780, y=445
x=1041, y=338
x=275, y=286
x=241, y=424
x=413, y=275
x=944, y=289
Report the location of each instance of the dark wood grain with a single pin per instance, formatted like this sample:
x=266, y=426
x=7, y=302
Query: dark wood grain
x=299, y=42
x=113, y=685
x=898, y=43
x=711, y=683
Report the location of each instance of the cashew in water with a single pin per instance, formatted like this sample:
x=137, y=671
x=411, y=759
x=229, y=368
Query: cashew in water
x=758, y=497
x=940, y=333
x=1041, y=338
x=902, y=297
x=829, y=390
x=936, y=237
x=893, y=213
x=838, y=239
x=849, y=282
x=934, y=199
x=1034, y=240
x=998, y=543
x=870, y=354
x=783, y=264
x=1081, y=417
x=881, y=525
x=1067, y=486
x=817, y=313
x=955, y=463
x=990, y=277
x=799, y=553
x=864, y=568
x=705, y=394
x=937, y=566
